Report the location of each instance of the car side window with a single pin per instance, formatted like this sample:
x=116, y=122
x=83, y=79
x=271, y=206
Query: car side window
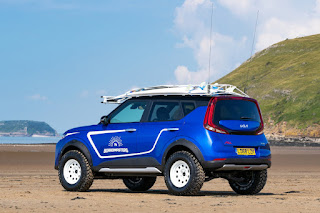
x=188, y=107
x=130, y=112
x=165, y=111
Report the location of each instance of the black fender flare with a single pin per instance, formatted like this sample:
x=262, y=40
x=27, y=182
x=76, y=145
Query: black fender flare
x=183, y=143
x=71, y=145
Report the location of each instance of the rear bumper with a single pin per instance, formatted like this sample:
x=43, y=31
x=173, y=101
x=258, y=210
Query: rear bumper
x=232, y=164
x=232, y=167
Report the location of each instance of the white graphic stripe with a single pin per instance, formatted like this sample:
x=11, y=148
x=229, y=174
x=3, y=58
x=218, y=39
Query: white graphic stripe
x=72, y=133
x=123, y=155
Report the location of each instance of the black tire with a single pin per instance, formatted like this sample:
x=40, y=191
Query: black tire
x=191, y=166
x=253, y=182
x=85, y=179
x=139, y=184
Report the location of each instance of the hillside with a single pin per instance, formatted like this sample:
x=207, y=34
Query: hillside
x=26, y=128
x=285, y=79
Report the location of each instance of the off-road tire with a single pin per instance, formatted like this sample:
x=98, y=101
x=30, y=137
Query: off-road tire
x=253, y=185
x=197, y=174
x=86, y=177
x=139, y=184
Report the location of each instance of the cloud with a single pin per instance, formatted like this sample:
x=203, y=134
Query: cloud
x=288, y=19
x=192, y=25
x=38, y=97
x=275, y=30
x=317, y=7
x=241, y=7
x=184, y=75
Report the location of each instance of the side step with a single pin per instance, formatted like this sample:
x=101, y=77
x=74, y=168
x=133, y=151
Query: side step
x=149, y=170
x=228, y=167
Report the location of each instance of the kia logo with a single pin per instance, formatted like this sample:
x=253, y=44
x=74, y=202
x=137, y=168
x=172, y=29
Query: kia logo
x=243, y=125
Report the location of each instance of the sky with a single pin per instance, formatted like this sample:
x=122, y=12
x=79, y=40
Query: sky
x=58, y=57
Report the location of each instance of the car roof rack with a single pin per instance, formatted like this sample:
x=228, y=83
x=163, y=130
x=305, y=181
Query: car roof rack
x=185, y=90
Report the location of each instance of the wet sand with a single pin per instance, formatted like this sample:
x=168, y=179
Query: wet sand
x=28, y=183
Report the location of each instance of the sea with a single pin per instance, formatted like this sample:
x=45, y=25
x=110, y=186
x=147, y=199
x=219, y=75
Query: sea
x=29, y=140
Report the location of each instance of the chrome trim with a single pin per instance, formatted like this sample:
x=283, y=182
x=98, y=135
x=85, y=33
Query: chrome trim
x=130, y=130
x=131, y=170
x=172, y=129
x=227, y=167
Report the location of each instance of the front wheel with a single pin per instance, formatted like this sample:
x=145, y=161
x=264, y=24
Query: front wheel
x=249, y=182
x=139, y=183
x=183, y=174
x=75, y=172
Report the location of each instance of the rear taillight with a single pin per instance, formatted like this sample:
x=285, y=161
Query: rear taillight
x=208, y=120
x=215, y=129
x=260, y=130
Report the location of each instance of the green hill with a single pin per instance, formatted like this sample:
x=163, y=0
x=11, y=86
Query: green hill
x=285, y=79
x=26, y=128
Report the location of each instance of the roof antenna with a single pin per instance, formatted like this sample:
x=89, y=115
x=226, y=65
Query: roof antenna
x=210, y=49
x=253, y=41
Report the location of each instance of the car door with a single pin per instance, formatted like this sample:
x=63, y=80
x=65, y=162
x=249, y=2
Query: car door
x=161, y=126
x=119, y=138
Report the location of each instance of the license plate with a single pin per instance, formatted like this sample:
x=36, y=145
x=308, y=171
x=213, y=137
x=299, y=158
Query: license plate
x=246, y=151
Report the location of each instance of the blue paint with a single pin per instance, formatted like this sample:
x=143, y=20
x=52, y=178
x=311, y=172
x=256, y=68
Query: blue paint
x=240, y=125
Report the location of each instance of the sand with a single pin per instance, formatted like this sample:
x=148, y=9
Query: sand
x=28, y=183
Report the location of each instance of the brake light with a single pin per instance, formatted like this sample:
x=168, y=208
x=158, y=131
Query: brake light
x=208, y=120
x=260, y=130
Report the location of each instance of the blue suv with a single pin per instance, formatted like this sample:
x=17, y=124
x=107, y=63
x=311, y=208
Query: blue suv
x=186, y=139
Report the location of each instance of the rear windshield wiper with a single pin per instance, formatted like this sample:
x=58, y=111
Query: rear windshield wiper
x=245, y=118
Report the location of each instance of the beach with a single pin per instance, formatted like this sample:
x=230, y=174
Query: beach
x=29, y=183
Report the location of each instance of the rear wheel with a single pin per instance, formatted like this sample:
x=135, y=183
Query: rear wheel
x=249, y=182
x=184, y=174
x=75, y=172
x=139, y=183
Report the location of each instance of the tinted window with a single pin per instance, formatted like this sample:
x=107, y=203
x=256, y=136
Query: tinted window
x=202, y=103
x=188, y=107
x=235, y=110
x=129, y=112
x=165, y=111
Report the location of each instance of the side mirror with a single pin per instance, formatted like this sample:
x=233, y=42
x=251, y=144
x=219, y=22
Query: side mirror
x=104, y=120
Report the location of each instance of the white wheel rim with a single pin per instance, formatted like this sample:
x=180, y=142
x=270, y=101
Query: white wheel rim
x=72, y=171
x=179, y=174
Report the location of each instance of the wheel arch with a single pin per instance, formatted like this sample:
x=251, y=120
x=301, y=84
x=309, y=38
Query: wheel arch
x=76, y=145
x=179, y=145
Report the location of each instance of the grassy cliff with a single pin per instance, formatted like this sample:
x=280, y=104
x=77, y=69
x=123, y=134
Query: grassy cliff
x=285, y=79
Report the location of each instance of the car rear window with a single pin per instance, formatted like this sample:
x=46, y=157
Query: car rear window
x=235, y=110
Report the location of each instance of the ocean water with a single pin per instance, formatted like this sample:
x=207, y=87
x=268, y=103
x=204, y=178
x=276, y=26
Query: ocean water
x=29, y=140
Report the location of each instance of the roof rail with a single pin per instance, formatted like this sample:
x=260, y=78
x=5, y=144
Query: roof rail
x=186, y=90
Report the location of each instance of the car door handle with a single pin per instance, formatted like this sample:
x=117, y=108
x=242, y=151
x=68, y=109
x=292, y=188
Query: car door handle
x=172, y=129
x=130, y=130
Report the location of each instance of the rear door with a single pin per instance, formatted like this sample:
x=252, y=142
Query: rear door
x=161, y=126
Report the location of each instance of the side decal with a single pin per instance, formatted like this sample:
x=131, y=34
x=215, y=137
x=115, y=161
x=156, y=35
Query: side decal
x=117, y=131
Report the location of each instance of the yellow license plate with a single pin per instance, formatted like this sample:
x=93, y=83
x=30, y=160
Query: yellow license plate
x=246, y=151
